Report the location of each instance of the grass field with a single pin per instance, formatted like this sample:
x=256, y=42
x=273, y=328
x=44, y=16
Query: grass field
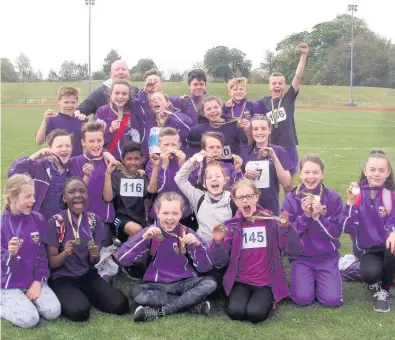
x=13, y=93
x=343, y=139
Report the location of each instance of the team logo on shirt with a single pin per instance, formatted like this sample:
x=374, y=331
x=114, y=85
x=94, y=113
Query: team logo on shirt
x=176, y=248
x=382, y=211
x=324, y=210
x=35, y=236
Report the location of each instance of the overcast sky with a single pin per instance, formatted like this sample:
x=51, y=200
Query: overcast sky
x=174, y=33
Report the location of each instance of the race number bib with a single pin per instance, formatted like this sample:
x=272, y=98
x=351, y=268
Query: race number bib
x=131, y=187
x=254, y=237
x=227, y=152
x=282, y=115
x=263, y=179
x=153, y=140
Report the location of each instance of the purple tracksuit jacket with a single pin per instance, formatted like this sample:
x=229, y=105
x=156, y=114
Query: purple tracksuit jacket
x=31, y=262
x=245, y=108
x=369, y=224
x=228, y=252
x=318, y=238
x=96, y=203
x=190, y=110
x=166, y=183
x=106, y=115
x=169, y=265
x=41, y=172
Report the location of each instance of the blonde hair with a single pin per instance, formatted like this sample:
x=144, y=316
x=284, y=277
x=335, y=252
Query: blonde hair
x=93, y=126
x=168, y=197
x=237, y=81
x=244, y=183
x=15, y=185
x=67, y=91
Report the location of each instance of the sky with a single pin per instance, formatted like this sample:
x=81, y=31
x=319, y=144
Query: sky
x=174, y=33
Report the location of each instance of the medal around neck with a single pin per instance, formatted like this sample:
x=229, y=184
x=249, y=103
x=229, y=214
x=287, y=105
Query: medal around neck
x=77, y=241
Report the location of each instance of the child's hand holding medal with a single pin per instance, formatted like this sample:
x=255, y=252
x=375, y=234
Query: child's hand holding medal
x=283, y=221
x=219, y=232
x=14, y=245
x=352, y=192
x=69, y=247
x=152, y=232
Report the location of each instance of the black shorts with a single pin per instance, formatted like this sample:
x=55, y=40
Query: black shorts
x=119, y=226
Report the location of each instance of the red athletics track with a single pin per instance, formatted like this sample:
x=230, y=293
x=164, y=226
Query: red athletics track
x=307, y=107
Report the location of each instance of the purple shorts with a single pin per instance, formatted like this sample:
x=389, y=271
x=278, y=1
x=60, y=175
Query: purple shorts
x=293, y=156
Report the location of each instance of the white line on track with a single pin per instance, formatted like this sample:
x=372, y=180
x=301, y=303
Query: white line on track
x=317, y=121
x=374, y=118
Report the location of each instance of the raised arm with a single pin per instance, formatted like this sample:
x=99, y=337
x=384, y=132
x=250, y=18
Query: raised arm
x=303, y=48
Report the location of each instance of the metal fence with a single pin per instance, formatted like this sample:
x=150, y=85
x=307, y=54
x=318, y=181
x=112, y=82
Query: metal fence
x=318, y=101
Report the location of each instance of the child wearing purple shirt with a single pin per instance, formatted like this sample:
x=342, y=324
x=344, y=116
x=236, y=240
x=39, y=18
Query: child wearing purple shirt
x=280, y=108
x=74, y=238
x=25, y=294
x=197, y=82
x=92, y=167
x=234, y=131
x=314, y=212
x=266, y=164
x=369, y=217
x=249, y=245
x=117, y=117
x=65, y=119
x=171, y=283
x=238, y=106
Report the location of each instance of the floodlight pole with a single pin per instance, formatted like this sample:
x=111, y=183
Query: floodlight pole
x=90, y=3
x=352, y=8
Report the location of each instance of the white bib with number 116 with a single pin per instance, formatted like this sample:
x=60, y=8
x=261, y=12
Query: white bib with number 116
x=132, y=187
x=254, y=237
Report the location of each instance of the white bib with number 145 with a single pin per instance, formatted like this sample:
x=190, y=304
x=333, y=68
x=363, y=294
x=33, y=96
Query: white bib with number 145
x=254, y=237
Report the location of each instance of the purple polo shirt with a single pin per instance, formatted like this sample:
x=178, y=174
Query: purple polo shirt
x=71, y=125
x=269, y=197
x=51, y=203
x=77, y=264
x=253, y=267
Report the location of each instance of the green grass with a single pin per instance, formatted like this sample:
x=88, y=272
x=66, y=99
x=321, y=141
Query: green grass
x=45, y=92
x=343, y=139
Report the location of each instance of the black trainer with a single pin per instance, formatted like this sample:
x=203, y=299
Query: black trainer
x=202, y=308
x=146, y=314
x=382, y=301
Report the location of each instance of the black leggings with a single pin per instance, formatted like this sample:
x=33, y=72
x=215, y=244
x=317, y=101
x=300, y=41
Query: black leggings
x=378, y=266
x=249, y=303
x=77, y=294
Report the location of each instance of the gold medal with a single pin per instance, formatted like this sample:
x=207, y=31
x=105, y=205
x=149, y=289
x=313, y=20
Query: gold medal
x=160, y=237
x=355, y=191
x=276, y=112
x=75, y=232
x=222, y=228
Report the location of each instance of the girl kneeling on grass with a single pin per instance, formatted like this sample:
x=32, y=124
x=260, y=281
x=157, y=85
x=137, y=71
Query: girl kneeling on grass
x=171, y=283
x=369, y=217
x=74, y=239
x=314, y=212
x=25, y=294
x=249, y=244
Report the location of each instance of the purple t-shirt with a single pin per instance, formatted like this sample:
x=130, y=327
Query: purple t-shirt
x=71, y=125
x=51, y=203
x=245, y=109
x=96, y=203
x=78, y=263
x=267, y=181
x=253, y=266
x=235, y=137
x=285, y=134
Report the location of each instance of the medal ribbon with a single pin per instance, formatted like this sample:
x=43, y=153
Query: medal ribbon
x=18, y=228
x=275, y=112
x=242, y=111
x=75, y=232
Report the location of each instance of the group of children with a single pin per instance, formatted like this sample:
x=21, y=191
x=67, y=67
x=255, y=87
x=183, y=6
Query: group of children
x=190, y=187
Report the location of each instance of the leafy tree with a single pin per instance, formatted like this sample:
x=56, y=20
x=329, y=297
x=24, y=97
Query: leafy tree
x=176, y=77
x=67, y=70
x=225, y=63
x=111, y=57
x=143, y=65
x=8, y=73
x=24, y=68
x=52, y=76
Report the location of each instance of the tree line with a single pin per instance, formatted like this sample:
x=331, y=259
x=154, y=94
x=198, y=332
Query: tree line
x=328, y=61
